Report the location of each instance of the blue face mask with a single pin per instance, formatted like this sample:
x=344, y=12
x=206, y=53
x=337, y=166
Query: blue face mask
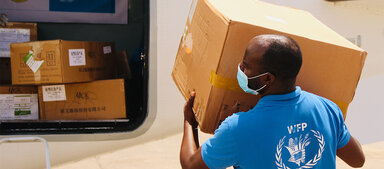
x=243, y=81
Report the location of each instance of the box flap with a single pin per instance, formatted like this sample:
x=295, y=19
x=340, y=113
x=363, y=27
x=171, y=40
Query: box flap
x=282, y=19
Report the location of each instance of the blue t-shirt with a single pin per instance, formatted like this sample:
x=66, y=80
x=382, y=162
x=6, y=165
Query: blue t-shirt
x=294, y=130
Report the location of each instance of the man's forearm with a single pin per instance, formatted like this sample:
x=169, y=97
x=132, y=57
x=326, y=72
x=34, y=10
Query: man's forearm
x=189, y=145
x=352, y=153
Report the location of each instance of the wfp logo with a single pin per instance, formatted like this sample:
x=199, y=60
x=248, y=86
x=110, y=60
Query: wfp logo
x=296, y=146
x=297, y=149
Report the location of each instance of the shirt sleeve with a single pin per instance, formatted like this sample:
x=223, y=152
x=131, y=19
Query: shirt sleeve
x=220, y=151
x=344, y=136
x=343, y=133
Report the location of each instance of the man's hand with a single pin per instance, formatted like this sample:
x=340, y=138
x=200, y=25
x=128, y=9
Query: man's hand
x=189, y=115
x=3, y=20
x=190, y=152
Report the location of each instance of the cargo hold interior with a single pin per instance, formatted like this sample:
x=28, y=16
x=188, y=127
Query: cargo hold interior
x=132, y=37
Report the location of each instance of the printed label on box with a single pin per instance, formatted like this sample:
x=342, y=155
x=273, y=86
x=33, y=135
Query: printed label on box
x=8, y=36
x=18, y=106
x=54, y=93
x=22, y=105
x=107, y=49
x=32, y=63
x=76, y=57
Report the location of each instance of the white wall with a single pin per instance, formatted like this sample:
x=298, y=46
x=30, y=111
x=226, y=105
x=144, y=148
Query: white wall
x=172, y=15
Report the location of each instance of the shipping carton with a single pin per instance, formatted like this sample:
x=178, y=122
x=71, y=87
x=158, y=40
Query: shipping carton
x=59, y=61
x=103, y=99
x=16, y=32
x=214, y=42
x=8, y=89
x=18, y=103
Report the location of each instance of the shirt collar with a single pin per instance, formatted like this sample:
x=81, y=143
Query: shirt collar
x=282, y=97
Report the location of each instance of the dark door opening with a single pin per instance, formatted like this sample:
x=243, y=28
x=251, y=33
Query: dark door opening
x=134, y=39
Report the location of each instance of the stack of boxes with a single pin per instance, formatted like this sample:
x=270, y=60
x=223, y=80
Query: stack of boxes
x=16, y=102
x=70, y=80
x=14, y=32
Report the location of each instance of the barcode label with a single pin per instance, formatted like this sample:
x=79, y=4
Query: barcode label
x=76, y=57
x=10, y=35
x=22, y=105
x=54, y=93
x=107, y=49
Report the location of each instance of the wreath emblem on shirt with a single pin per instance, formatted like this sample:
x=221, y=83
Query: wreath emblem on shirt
x=296, y=148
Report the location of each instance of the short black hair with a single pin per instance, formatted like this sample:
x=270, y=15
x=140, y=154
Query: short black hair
x=282, y=57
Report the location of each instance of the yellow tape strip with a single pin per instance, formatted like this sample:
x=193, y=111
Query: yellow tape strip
x=232, y=84
x=224, y=82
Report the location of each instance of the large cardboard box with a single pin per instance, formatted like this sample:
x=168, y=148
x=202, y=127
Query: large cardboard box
x=214, y=42
x=60, y=61
x=18, y=103
x=8, y=89
x=104, y=99
x=16, y=32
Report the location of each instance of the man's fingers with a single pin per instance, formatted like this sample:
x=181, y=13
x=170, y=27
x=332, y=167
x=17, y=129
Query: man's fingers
x=191, y=100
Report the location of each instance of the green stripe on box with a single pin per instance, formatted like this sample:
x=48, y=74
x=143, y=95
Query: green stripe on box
x=26, y=57
x=22, y=112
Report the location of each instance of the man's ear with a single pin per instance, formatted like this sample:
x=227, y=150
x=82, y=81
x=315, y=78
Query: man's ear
x=269, y=79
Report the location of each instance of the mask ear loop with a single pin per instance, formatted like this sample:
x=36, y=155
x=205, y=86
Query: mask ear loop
x=261, y=88
x=258, y=75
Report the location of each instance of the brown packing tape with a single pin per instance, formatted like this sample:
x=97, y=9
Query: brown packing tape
x=37, y=50
x=232, y=84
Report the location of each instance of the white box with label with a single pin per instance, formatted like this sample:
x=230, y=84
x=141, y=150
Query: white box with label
x=19, y=107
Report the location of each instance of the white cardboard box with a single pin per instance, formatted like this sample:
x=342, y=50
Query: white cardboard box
x=19, y=107
x=16, y=32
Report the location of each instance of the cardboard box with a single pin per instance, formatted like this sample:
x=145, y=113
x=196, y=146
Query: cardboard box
x=214, y=42
x=59, y=61
x=18, y=103
x=5, y=71
x=8, y=89
x=16, y=32
x=103, y=99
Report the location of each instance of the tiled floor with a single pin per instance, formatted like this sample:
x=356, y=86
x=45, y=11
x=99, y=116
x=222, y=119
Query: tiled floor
x=164, y=154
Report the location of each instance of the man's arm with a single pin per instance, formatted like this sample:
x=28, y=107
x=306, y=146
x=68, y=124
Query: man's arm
x=190, y=153
x=352, y=153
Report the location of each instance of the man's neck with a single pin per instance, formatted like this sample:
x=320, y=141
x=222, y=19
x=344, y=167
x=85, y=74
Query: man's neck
x=281, y=89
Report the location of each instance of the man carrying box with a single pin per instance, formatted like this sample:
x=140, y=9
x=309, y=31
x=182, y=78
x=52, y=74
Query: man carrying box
x=288, y=128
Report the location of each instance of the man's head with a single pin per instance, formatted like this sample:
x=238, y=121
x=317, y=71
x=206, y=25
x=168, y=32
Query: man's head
x=278, y=57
